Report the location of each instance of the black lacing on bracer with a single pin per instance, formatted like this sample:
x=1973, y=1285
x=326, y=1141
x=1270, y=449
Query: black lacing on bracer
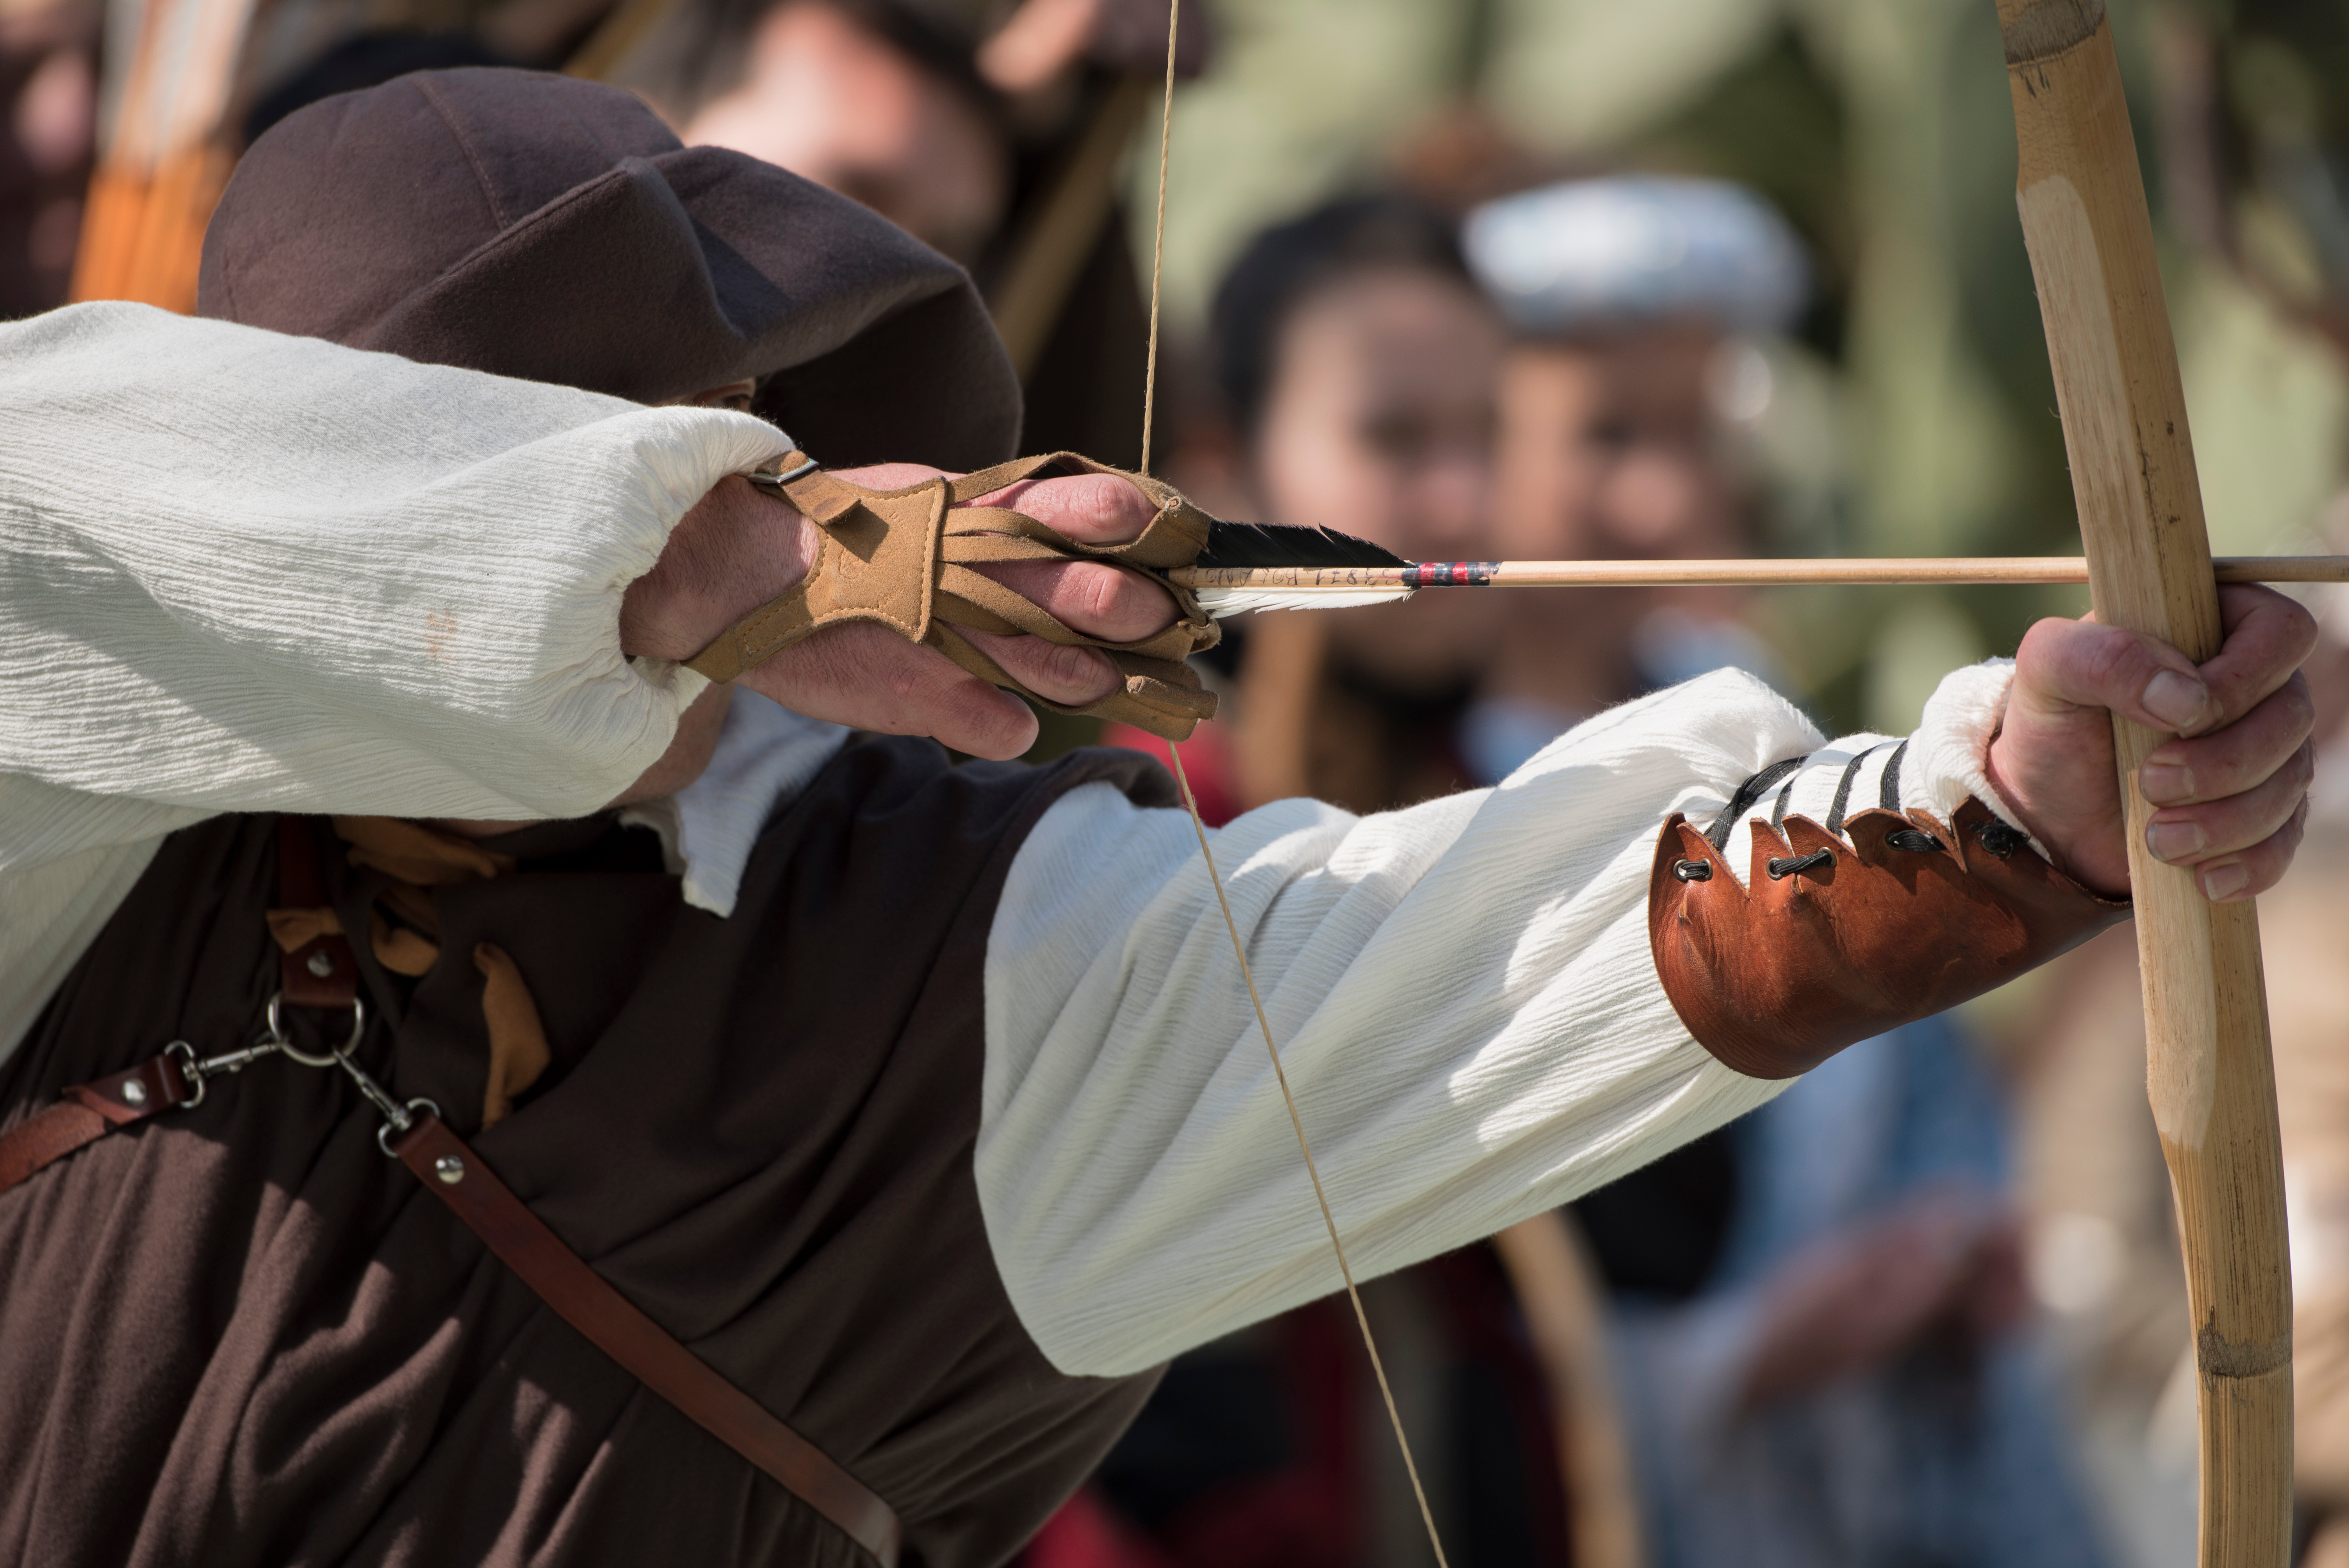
x=1843, y=788
x=1753, y=790
x=1999, y=839
x=1783, y=866
x=1888, y=795
x=1915, y=841
x=1740, y=802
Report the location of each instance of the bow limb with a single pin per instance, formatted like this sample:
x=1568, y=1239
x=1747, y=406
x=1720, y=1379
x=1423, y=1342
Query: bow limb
x=2208, y=1071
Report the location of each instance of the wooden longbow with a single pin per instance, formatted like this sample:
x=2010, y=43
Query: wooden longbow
x=2148, y=562
x=2207, y=1070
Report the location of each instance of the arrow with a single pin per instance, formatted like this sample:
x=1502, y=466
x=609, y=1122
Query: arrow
x=1229, y=590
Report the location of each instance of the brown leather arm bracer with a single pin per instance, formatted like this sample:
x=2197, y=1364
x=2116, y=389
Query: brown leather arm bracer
x=1836, y=943
x=904, y=558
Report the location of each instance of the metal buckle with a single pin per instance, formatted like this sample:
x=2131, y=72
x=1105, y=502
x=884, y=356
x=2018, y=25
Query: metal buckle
x=396, y=1117
x=200, y=1071
x=193, y=1072
x=274, y=1035
x=273, y=1041
x=767, y=479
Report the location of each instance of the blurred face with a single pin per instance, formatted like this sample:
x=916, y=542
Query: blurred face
x=1607, y=451
x=829, y=101
x=1380, y=423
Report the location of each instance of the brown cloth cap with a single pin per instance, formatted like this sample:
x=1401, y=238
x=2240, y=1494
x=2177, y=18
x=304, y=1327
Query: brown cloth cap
x=553, y=229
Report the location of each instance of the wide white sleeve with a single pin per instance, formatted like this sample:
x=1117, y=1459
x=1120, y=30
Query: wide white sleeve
x=1462, y=994
x=240, y=571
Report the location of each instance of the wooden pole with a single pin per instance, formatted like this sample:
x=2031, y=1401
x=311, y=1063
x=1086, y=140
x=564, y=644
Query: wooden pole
x=1559, y=1292
x=2207, y=1069
x=1026, y=302
x=1880, y=571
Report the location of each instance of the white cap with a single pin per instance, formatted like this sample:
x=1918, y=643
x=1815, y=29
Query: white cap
x=1628, y=248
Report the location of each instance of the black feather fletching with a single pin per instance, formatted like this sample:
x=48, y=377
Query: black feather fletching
x=1235, y=544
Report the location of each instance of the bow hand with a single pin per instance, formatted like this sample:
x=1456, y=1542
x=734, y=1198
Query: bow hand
x=2232, y=789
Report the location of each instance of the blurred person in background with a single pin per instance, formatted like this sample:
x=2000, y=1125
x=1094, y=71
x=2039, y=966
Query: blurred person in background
x=48, y=87
x=1819, y=1329
x=994, y=133
x=1816, y=1307
x=1356, y=359
x=1634, y=300
x=879, y=102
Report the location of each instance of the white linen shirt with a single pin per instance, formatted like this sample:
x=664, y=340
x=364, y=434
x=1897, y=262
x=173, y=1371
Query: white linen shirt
x=244, y=571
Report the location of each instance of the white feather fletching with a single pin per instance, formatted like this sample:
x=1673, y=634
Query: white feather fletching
x=1219, y=603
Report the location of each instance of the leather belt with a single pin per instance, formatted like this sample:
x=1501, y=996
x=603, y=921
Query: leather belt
x=324, y=973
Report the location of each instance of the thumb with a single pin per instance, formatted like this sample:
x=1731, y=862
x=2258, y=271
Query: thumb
x=2065, y=666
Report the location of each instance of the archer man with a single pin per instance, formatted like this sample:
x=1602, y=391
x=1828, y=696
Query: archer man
x=803, y=1149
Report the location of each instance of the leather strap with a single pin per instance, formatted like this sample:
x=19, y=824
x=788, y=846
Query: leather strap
x=459, y=1178
x=588, y=1301
x=88, y=1111
x=52, y=1135
x=85, y=1112
x=463, y=1180
x=322, y=972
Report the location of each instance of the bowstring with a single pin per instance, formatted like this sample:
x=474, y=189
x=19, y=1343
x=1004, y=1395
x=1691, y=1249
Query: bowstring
x=1158, y=235
x=1280, y=1076
x=1216, y=880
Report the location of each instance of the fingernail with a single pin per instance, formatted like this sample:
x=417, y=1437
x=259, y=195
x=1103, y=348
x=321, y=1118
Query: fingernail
x=2166, y=783
x=2177, y=701
x=2222, y=883
x=2175, y=840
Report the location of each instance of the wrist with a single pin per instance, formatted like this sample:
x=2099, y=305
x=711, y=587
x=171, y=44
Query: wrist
x=736, y=550
x=2001, y=779
x=2069, y=847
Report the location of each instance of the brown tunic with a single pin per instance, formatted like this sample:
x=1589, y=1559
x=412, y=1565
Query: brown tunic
x=239, y=1335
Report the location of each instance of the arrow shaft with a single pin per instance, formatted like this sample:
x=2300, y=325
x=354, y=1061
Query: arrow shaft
x=1882, y=571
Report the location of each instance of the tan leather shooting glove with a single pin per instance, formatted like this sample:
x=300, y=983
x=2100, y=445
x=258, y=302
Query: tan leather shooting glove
x=906, y=558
